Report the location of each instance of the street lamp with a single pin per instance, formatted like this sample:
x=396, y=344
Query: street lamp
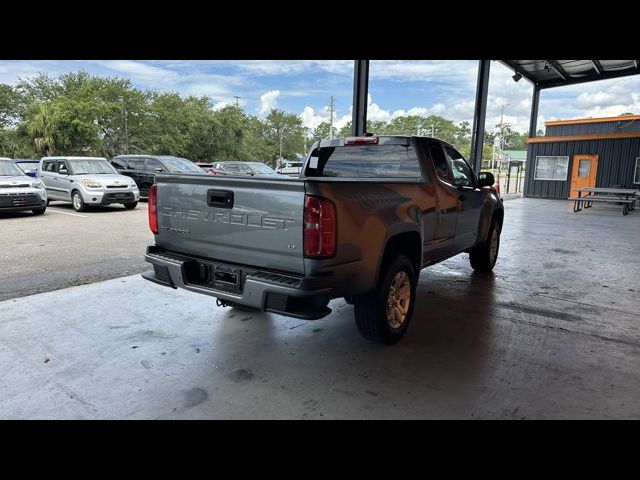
x=126, y=130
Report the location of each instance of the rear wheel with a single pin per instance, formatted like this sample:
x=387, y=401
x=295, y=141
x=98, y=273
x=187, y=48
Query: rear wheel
x=39, y=211
x=78, y=202
x=483, y=256
x=48, y=202
x=384, y=313
x=131, y=205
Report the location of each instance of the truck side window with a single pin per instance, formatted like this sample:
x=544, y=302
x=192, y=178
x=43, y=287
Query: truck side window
x=440, y=163
x=462, y=174
x=119, y=163
x=152, y=165
x=136, y=163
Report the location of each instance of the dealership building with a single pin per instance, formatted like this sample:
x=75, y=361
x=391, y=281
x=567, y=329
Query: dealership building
x=590, y=152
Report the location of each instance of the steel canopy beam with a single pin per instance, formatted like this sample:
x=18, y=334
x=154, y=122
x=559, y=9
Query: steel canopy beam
x=533, y=121
x=558, y=69
x=360, y=94
x=480, y=114
x=603, y=76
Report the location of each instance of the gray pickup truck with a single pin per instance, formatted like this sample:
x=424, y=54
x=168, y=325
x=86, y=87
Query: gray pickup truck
x=365, y=216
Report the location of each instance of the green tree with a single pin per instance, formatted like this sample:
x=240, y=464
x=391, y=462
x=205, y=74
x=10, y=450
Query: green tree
x=284, y=135
x=43, y=129
x=322, y=131
x=12, y=106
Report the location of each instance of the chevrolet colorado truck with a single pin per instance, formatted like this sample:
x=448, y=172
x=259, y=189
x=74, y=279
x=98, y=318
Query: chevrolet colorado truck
x=365, y=216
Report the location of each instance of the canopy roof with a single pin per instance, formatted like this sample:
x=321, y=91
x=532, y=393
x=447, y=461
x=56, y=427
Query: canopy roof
x=557, y=73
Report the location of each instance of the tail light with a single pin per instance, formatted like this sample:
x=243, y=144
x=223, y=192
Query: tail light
x=153, y=209
x=320, y=224
x=361, y=141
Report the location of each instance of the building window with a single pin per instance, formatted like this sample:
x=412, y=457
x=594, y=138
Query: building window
x=551, y=168
x=636, y=177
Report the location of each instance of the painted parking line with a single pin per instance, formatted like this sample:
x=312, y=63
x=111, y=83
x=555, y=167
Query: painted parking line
x=66, y=213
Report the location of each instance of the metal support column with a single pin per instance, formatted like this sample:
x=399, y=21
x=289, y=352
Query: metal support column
x=533, y=121
x=480, y=113
x=360, y=95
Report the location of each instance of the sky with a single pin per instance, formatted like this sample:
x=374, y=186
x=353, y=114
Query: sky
x=303, y=87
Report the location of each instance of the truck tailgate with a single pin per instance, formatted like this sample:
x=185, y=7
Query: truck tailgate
x=254, y=221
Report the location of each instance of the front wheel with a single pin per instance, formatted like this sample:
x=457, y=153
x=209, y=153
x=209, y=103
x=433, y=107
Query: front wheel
x=383, y=314
x=131, y=205
x=483, y=256
x=39, y=211
x=78, y=202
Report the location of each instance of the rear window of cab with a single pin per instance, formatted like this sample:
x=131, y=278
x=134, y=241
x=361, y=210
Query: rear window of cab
x=362, y=161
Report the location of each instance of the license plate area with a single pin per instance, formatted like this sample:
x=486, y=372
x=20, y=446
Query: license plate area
x=213, y=275
x=226, y=278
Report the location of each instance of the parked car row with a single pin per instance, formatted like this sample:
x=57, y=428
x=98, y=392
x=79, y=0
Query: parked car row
x=87, y=181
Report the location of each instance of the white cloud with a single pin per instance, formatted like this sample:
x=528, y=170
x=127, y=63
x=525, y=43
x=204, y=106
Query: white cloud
x=310, y=119
x=138, y=70
x=216, y=91
x=296, y=67
x=268, y=101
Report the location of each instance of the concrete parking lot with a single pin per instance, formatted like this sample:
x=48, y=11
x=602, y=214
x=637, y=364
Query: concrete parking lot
x=63, y=248
x=552, y=333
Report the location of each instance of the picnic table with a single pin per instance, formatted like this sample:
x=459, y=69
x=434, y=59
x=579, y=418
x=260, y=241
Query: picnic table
x=625, y=196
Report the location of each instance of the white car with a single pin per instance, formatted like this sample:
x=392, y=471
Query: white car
x=87, y=181
x=290, y=168
x=19, y=191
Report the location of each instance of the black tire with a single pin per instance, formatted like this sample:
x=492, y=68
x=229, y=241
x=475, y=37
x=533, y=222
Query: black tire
x=370, y=309
x=39, y=211
x=78, y=203
x=131, y=205
x=481, y=257
x=349, y=300
x=48, y=202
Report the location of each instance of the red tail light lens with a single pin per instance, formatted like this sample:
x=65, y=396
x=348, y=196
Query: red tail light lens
x=361, y=141
x=320, y=224
x=153, y=209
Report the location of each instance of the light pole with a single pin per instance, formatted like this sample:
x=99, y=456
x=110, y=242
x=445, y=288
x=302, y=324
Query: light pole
x=126, y=129
x=502, y=132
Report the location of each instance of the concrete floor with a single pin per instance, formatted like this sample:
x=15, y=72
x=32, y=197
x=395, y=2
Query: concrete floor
x=553, y=333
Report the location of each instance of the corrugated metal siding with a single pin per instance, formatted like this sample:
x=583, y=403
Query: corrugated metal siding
x=616, y=164
x=589, y=128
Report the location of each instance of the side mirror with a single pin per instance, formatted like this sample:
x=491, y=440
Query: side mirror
x=63, y=171
x=158, y=170
x=486, y=179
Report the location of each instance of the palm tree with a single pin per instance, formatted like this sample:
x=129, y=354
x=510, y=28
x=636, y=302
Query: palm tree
x=41, y=127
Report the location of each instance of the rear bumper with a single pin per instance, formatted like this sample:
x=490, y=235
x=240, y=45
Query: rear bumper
x=293, y=296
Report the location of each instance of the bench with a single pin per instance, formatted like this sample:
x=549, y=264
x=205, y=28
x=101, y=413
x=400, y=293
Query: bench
x=627, y=204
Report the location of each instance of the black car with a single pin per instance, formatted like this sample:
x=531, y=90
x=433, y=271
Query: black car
x=142, y=168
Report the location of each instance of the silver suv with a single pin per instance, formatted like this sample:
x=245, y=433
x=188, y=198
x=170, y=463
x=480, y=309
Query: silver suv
x=86, y=181
x=18, y=191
